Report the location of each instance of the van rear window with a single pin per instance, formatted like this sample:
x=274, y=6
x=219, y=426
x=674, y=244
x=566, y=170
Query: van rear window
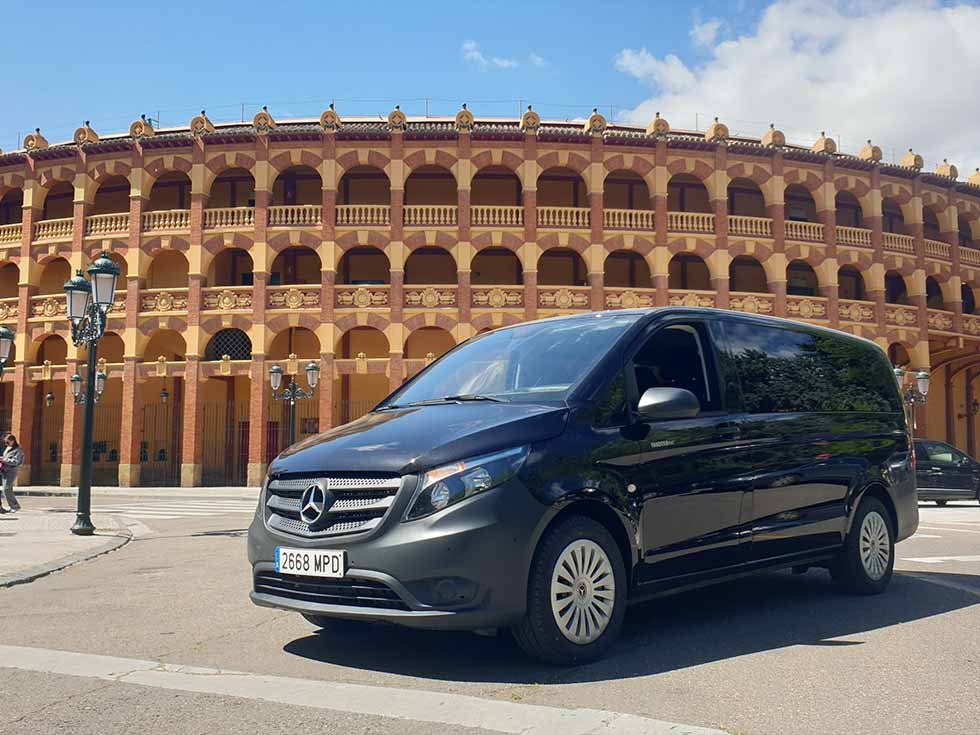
x=785, y=370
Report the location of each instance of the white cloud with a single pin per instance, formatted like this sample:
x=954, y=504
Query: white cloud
x=536, y=60
x=902, y=73
x=472, y=53
x=705, y=34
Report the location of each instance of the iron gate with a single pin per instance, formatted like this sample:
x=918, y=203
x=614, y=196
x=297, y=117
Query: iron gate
x=160, y=445
x=277, y=432
x=225, y=440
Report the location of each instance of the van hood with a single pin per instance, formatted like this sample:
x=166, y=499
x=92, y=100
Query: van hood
x=409, y=440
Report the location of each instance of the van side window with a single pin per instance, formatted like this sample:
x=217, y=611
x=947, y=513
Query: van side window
x=788, y=370
x=678, y=356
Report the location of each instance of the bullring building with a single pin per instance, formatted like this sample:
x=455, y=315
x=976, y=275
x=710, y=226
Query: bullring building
x=372, y=246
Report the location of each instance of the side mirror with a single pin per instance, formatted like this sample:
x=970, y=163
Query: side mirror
x=668, y=403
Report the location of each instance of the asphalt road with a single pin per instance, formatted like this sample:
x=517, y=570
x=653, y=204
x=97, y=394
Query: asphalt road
x=773, y=654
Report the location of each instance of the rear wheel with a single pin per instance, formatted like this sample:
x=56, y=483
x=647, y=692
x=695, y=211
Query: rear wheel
x=576, y=594
x=941, y=503
x=864, y=566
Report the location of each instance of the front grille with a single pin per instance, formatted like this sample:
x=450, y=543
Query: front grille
x=360, y=503
x=349, y=591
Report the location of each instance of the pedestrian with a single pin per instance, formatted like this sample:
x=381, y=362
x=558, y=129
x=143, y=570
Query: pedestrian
x=10, y=462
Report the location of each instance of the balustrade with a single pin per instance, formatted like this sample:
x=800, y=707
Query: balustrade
x=805, y=231
x=227, y=217
x=690, y=222
x=11, y=233
x=899, y=243
x=369, y=215
x=627, y=219
x=564, y=217
x=496, y=216
x=107, y=224
x=937, y=249
x=749, y=226
x=54, y=229
x=295, y=215
x=430, y=215
x=859, y=236
x=168, y=219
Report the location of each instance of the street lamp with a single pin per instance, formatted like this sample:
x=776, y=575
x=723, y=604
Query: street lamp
x=6, y=342
x=164, y=396
x=916, y=392
x=292, y=392
x=89, y=300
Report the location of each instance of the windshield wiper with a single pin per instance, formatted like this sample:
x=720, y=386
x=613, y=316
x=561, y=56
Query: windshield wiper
x=475, y=397
x=461, y=398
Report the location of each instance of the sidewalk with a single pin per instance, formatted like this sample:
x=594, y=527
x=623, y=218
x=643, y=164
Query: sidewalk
x=34, y=543
x=198, y=493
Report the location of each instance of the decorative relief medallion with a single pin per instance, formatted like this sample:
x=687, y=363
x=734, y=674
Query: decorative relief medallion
x=901, y=317
x=596, y=124
x=464, y=120
x=85, y=135
x=497, y=298
x=430, y=298
x=563, y=299
x=752, y=305
x=142, y=128
x=330, y=120
x=658, y=126
x=856, y=313
x=164, y=301
x=692, y=300
x=228, y=300
x=972, y=326
x=201, y=125
x=362, y=298
x=807, y=309
x=8, y=311
x=35, y=141
x=397, y=120
x=263, y=122
x=628, y=300
x=530, y=121
x=294, y=299
x=50, y=307
x=942, y=322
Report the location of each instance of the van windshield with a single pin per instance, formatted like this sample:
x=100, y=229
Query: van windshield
x=529, y=363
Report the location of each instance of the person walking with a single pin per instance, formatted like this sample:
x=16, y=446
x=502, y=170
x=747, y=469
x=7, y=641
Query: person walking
x=10, y=462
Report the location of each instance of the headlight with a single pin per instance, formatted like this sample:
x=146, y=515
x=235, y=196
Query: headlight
x=451, y=483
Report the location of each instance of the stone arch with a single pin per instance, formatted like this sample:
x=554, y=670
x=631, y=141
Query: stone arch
x=799, y=204
x=486, y=322
x=562, y=186
x=626, y=189
x=564, y=240
x=850, y=283
x=349, y=321
x=640, y=165
x=747, y=275
x=968, y=298
x=422, y=238
x=229, y=267
x=626, y=269
x=687, y=192
x=54, y=273
x=562, y=267
x=566, y=160
x=288, y=238
x=170, y=190
x=232, y=186
x=801, y=279
x=9, y=280
x=299, y=340
x=430, y=265
x=295, y=265
x=746, y=197
x=168, y=343
x=894, y=215
x=362, y=339
x=423, y=341
x=363, y=265
x=496, y=185
x=848, y=209
x=295, y=157
x=897, y=288
x=222, y=163
x=155, y=168
x=11, y=205
x=934, y=294
x=362, y=238
x=48, y=347
x=808, y=178
x=497, y=158
x=231, y=341
x=758, y=174
x=55, y=200
x=696, y=167
x=688, y=271
x=498, y=239
x=298, y=184
x=361, y=158
x=426, y=158
x=494, y=265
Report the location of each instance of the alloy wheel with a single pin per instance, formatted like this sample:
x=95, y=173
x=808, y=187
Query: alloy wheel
x=875, y=545
x=583, y=591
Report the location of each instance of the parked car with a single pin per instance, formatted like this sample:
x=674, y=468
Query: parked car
x=944, y=473
x=543, y=476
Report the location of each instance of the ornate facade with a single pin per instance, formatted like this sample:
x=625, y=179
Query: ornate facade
x=374, y=246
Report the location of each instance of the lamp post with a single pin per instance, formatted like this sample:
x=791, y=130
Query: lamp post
x=292, y=392
x=89, y=301
x=915, y=393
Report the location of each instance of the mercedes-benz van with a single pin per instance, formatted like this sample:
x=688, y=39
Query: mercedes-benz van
x=543, y=476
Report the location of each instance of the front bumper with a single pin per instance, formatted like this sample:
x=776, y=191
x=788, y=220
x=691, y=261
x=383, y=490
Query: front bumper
x=460, y=569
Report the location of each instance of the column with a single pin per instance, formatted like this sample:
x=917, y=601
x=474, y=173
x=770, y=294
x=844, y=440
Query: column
x=192, y=446
x=131, y=432
x=952, y=236
x=258, y=421
x=71, y=434
x=719, y=203
x=661, y=272
x=325, y=389
x=875, y=221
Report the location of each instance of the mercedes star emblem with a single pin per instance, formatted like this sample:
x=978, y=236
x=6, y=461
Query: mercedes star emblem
x=312, y=504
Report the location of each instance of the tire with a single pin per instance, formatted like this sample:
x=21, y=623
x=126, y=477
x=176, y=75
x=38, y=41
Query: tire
x=872, y=530
x=583, y=629
x=941, y=503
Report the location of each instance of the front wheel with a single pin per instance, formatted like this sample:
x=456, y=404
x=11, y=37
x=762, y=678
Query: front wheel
x=864, y=566
x=577, y=592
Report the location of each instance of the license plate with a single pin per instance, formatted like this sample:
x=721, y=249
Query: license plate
x=311, y=562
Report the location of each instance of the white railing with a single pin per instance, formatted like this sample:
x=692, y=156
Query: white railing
x=806, y=231
x=229, y=217
x=937, y=249
x=168, y=219
x=54, y=229
x=899, y=243
x=739, y=224
x=859, y=236
x=690, y=222
x=969, y=255
x=11, y=233
x=371, y=215
x=294, y=215
x=430, y=215
x=107, y=224
x=494, y=216
x=568, y=217
x=627, y=219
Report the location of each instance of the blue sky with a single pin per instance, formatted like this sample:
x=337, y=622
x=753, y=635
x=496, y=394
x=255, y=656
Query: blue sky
x=118, y=59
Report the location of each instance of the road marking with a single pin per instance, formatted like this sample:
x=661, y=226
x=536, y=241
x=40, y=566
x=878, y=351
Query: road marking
x=952, y=530
x=925, y=535
x=941, y=559
x=442, y=708
x=171, y=510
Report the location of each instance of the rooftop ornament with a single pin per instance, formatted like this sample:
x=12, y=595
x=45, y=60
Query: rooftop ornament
x=596, y=124
x=142, y=128
x=717, y=132
x=658, y=127
x=85, y=135
x=947, y=169
x=330, y=120
x=773, y=138
x=464, y=120
x=201, y=125
x=35, y=141
x=530, y=121
x=263, y=122
x=397, y=120
x=824, y=145
x=870, y=152
x=912, y=160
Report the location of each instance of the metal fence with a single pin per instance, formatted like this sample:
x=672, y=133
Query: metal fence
x=225, y=439
x=307, y=424
x=160, y=445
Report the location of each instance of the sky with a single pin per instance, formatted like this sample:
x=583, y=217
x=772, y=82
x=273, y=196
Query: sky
x=903, y=73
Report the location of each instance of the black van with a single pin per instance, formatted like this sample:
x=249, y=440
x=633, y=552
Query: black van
x=541, y=477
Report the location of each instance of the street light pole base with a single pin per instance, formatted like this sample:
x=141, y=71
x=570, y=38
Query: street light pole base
x=83, y=525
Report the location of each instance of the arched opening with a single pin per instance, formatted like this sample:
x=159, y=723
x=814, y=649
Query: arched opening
x=230, y=267
x=561, y=267
x=892, y=219
x=232, y=188
x=171, y=190
x=297, y=185
x=430, y=185
x=896, y=292
x=165, y=343
x=799, y=205
x=930, y=225
x=496, y=267
x=898, y=355
x=46, y=442
x=111, y=349
x=848, y=210
x=163, y=401
x=626, y=268
x=305, y=345
x=168, y=269
x=968, y=299
x=626, y=190
x=746, y=275
x=298, y=341
x=112, y=196
x=356, y=394
x=53, y=276
x=225, y=405
x=123, y=267
x=430, y=265
x=745, y=199
x=428, y=340
x=294, y=266
x=364, y=266
x=496, y=186
x=965, y=233
x=687, y=193
x=9, y=278
x=850, y=284
x=687, y=271
x=801, y=280
x=934, y=294
x=53, y=349
x=232, y=342
x=12, y=207
x=58, y=204
x=561, y=187
x=364, y=185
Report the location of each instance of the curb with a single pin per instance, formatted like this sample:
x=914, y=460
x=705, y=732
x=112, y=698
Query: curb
x=136, y=492
x=118, y=539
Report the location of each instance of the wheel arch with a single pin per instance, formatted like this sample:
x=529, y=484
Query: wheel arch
x=879, y=492
x=603, y=512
